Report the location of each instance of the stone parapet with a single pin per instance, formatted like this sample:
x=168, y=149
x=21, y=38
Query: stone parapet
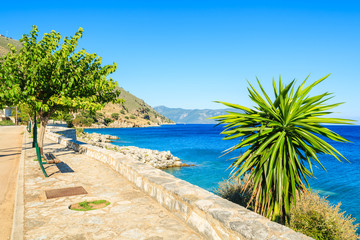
x=207, y=213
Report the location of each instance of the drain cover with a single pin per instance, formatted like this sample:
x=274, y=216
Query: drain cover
x=65, y=192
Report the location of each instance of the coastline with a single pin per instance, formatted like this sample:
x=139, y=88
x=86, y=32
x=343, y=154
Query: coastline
x=157, y=159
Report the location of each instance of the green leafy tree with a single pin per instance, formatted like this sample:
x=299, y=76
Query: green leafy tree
x=48, y=76
x=281, y=139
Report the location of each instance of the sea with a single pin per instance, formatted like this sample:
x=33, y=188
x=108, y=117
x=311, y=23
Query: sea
x=202, y=145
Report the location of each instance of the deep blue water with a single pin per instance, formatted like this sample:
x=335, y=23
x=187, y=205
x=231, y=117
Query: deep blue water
x=202, y=145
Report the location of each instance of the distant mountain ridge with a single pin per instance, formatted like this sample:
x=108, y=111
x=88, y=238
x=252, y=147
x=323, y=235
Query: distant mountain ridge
x=194, y=116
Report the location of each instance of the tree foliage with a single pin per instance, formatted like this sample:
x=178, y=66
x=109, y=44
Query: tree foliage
x=49, y=75
x=282, y=139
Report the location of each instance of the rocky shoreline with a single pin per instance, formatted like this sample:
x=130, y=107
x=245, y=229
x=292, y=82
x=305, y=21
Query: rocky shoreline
x=157, y=159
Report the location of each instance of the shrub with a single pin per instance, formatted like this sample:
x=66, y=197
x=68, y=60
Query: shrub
x=233, y=191
x=80, y=130
x=122, y=112
x=313, y=215
x=132, y=117
x=69, y=124
x=115, y=116
x=107, y=121
x=147, y=117
x=126, y=117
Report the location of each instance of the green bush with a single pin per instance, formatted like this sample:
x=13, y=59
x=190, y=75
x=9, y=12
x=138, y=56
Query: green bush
x=132, y=116
x=313, y=215
x=126, y=117
x=69, y=124
x=107, y=121
x=115, y=116
x=122, y=112
x=147, y=117
x=6, y=123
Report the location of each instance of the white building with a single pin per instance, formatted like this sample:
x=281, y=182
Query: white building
x=5, y=113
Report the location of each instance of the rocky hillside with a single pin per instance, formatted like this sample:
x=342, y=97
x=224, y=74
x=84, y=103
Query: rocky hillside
x=4, y=41
x=191, y=116
x=133, y=113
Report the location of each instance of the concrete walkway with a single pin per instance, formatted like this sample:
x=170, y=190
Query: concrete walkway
x=131, y=214
x=10, y=150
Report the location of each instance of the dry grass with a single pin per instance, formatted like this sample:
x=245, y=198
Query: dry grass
x=316, y=217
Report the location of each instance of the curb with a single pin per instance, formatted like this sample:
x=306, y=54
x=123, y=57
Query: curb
x=17, y=231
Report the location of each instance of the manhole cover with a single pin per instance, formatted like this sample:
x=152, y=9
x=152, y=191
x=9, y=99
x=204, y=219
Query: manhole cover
x=65, y=192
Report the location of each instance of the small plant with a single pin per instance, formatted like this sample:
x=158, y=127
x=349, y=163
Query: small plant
x=234, y=191
x=115, y=116
x=122, y=112
x=126, y=117
x=79, y=130
x=87, y=206
x=132, y=116
x=107, y=121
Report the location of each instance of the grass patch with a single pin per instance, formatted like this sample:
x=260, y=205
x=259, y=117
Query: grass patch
x=6, y=123
x=88, y=206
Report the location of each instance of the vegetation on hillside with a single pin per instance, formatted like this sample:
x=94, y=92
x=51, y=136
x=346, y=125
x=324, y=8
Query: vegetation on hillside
x=4, y=45
x=281, y=138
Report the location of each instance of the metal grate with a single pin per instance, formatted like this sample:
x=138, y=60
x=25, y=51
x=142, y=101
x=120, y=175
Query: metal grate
x=65, y=192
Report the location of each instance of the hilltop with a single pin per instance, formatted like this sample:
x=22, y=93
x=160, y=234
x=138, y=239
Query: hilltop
x=134, y=112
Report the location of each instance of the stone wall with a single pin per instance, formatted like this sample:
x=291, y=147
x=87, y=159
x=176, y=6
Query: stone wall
x=207, y=213
x=63, y=131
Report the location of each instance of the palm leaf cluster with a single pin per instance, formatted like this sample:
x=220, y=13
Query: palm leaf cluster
x=282, y=138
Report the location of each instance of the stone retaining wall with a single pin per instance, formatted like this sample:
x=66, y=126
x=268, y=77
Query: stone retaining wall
x=64, y=131
x=207, y=213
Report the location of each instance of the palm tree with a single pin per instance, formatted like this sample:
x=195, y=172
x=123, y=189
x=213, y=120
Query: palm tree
x=281, y=140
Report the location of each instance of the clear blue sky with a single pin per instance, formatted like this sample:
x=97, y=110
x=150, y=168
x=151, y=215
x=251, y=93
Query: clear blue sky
x=189, y=53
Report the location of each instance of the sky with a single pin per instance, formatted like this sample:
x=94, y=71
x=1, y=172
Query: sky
x=189, y=54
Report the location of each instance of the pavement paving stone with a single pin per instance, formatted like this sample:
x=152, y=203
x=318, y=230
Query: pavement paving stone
x=131, y=215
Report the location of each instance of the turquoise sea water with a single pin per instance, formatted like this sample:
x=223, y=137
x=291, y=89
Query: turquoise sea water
x=202, y=145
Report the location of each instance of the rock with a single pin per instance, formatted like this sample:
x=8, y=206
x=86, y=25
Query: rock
x=154, y=158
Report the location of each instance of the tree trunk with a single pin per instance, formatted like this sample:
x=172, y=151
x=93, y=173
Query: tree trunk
x=44, y=118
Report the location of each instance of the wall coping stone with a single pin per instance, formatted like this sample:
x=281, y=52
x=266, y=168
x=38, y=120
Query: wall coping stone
x=207, y=213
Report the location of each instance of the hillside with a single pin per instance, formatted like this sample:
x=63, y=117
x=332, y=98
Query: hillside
x=133, y=113
x=191, y=116
x=4, y=41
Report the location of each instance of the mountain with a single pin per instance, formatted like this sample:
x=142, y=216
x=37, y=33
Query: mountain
x=194, y=116
x=134, y=112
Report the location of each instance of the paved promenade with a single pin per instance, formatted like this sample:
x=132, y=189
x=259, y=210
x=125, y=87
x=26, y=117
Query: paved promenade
x=10, y=150
x=131, y=214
